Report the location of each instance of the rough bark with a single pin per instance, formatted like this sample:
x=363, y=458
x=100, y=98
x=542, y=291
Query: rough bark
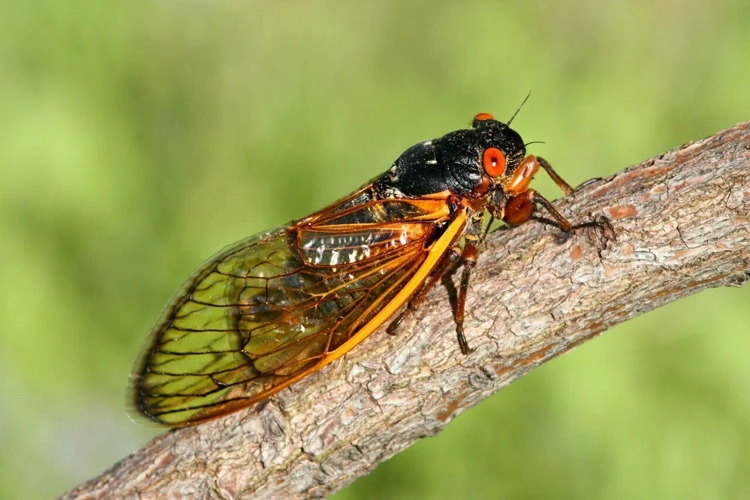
x=682, y=221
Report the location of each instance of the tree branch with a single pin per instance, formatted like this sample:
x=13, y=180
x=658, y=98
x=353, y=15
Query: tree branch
x=683, y=225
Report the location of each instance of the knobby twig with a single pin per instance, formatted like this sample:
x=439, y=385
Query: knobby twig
x=683, y=225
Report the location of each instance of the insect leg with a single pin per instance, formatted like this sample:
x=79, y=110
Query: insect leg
x=469, y=257
x=588, y=182
x=564, y=224
x=567, y=189
x=445, y=265
x=520, y=208
x=524, y=173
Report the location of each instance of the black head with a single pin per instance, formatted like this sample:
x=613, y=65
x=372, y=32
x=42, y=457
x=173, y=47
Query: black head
x=462, y=161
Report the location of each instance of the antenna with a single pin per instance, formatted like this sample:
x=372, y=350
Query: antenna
x=519, y=108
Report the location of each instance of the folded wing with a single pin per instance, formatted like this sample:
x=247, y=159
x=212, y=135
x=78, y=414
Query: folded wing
x=272, y=307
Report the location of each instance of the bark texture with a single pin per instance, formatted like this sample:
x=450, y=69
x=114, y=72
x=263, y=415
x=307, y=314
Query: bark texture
x=682, y=221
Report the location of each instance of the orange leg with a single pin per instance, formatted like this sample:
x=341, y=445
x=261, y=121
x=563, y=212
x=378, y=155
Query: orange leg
x=468, y=257
x=445, y=266
x=520, y=209
x=522, y=176
x=521, y=203
x=555, y=177
x=471, y=252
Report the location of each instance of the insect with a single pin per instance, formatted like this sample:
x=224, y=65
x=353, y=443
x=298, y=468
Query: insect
x=275, y=307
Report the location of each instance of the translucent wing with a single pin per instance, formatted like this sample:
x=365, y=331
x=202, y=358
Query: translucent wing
x=274, y=307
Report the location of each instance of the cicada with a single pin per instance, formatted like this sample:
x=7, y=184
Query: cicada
x=273, y=308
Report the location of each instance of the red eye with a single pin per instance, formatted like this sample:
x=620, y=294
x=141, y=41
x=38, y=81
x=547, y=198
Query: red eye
x=483, y=116
x=494, y=162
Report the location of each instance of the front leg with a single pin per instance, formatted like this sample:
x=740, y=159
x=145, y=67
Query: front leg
x=522, y=201
x=520, y=208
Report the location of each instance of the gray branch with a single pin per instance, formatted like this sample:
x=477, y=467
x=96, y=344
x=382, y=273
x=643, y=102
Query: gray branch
x=682, y=221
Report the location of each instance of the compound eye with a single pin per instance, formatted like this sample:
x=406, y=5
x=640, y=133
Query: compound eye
x=493, y=161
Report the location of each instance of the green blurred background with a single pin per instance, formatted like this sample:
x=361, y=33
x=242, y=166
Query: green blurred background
x=137, y=138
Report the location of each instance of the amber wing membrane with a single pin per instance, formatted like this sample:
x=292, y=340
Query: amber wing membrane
x=274, y=307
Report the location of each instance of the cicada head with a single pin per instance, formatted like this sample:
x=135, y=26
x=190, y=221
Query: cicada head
x=478, y=160
x=468, y=163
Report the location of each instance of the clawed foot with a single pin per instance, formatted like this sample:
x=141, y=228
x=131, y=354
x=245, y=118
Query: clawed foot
x=603, y=224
